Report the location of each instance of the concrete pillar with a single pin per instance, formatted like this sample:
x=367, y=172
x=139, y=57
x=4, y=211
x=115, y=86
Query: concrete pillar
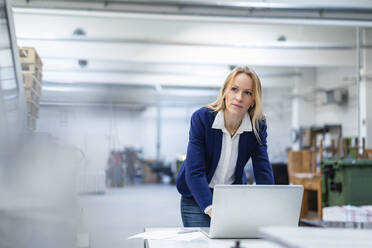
x=365, y=122
x=303, y=102
x=158, y=132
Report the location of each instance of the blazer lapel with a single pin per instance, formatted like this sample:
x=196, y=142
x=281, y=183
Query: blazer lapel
x=217, y=145
x=243, y=153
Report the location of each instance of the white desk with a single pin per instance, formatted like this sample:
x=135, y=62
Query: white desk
x=205, y=242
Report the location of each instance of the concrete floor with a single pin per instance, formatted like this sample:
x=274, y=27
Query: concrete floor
x=121, y=212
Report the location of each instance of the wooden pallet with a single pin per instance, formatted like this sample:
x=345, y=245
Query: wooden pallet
x=32, y=69
x=32, y=108
x=32, y=95
x=30, y=81
x=29, y=55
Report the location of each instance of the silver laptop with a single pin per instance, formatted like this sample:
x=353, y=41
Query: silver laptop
x=239, y=210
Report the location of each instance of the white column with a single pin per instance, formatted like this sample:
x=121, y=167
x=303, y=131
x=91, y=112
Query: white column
x=303, y=101
x=158, y=131
x=366, y=111
x=365, y=121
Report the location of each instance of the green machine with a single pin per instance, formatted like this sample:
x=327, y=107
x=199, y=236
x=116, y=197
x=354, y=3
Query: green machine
x=346, y=182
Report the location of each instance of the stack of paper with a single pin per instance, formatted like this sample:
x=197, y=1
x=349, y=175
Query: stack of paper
x=171, y=234
x=348, y=213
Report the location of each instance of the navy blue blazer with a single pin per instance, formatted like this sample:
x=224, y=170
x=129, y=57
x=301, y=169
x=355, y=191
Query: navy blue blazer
x=203, y=154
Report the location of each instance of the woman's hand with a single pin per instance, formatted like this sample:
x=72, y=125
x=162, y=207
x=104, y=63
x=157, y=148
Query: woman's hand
x=209, y=212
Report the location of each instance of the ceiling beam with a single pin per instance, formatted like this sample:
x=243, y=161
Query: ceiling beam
x=235, y=11
x=263, y=45
x=186, y=54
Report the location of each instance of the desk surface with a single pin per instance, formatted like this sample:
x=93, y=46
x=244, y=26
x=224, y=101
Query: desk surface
x=205, y=242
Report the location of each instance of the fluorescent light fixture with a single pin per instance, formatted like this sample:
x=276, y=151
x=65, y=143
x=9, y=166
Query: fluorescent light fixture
x=60, y=89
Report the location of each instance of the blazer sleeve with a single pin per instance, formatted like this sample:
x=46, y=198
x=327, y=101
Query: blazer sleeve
x=261, y=165
x=195, y=167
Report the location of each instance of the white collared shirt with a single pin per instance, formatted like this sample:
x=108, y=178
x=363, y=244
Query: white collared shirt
x=225, y=170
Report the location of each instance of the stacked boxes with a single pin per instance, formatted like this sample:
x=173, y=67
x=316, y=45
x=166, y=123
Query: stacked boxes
x=32, y=78
x=301, y=161
x=148, y=176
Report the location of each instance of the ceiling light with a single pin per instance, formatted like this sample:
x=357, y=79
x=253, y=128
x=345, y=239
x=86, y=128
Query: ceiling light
x=282, y=38
x=79, y=32
x=83, y=63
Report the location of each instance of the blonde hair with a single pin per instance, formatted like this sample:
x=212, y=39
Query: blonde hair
x=255, y=112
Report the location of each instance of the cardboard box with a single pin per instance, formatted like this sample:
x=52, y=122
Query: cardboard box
x=148, y=176
x=301, y=161
x=29, y=55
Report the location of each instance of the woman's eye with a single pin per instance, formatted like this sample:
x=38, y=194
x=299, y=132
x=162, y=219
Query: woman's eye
x=248, y=93
x=234, y=89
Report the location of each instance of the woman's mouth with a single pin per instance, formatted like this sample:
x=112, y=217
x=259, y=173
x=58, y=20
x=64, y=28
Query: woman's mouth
x=236, y=105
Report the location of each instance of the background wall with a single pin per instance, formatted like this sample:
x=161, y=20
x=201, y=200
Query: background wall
x=96, y=131
x=346, y=115
x=277, y=109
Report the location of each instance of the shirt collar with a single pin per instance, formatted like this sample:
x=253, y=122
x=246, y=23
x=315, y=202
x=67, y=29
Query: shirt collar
x=245, y=126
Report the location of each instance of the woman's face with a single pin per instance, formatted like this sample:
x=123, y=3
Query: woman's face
x=239, y=97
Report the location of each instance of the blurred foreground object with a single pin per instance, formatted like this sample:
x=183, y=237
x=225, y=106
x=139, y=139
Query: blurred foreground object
x=38, y=205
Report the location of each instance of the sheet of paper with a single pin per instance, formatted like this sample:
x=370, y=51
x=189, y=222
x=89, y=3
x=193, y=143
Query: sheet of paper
x=175, y=235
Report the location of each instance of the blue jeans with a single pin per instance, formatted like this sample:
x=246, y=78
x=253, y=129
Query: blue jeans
x=192, y=215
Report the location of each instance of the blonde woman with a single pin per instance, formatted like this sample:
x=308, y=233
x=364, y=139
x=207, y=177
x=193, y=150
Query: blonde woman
x=223, y=137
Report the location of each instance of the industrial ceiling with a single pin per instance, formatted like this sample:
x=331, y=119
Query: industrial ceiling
x=179, y=52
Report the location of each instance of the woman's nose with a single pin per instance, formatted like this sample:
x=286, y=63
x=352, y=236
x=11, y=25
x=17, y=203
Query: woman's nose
x=239, y=96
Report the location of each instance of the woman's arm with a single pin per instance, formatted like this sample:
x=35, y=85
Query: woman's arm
x=195, y=168
x=263, y=172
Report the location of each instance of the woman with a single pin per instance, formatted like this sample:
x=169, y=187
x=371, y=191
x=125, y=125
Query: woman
x=222, y=138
